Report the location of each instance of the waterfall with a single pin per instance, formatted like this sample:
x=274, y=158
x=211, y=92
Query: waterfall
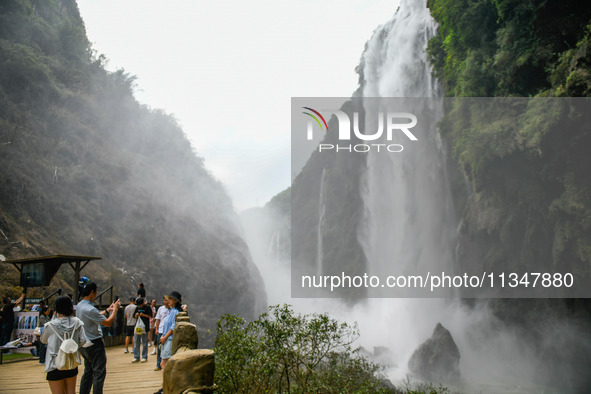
x=408, y=206
x=273, y=251
x=395, y=63
x=321, y=212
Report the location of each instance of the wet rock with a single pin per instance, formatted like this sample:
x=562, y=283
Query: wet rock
x=438, y=359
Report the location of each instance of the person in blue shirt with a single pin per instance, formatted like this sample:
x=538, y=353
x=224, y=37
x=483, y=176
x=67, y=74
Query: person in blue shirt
x=169, y=322
x=95, y=357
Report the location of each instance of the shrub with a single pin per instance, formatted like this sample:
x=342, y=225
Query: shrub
x=286, y=352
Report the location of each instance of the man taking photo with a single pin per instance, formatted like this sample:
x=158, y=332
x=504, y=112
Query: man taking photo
x=95, y=357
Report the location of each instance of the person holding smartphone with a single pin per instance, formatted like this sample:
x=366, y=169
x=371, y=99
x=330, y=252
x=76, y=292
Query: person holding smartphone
x=95, y=357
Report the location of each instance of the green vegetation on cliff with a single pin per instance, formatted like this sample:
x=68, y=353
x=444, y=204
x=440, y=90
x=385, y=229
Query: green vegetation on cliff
x=509, y=47
x=531, y=194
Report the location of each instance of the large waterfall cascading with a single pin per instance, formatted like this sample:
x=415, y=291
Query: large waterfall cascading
x=410, y=224
x=395, y=63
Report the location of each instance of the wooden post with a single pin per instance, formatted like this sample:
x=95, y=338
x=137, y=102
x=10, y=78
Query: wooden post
x=77, y=279
x=24, y=298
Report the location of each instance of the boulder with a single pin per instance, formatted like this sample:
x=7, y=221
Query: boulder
x=190, y=371
x=438, y=359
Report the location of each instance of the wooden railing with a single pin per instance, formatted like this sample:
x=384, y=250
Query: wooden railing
x=58, y=292
x=100, y=296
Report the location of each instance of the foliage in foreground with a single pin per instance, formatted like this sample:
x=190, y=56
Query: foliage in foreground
x=410, y=387
x=286, y=352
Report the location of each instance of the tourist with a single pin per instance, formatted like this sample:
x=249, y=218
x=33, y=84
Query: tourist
x=174, y=301
x=144, y=312
x=7, y=318
x=44, y=317
x=141, y=291
x=152, y=325
x=95, y=357
x=130, y=321
x=160, y=315
x=65, y=325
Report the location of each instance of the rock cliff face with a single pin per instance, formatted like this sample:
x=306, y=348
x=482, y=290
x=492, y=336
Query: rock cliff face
x=327, y=212
x=85, y=169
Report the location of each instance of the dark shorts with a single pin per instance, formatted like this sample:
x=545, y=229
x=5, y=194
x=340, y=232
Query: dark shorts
x=56, y=374
x=129, y=331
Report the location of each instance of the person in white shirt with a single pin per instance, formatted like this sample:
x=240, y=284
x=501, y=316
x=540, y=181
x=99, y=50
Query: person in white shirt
x=160, y=315
x=130, y=323
x=65, y=325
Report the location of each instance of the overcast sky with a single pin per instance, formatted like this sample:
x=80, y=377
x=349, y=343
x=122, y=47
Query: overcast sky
x=228, y=69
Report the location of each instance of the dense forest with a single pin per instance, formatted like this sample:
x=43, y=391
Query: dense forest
x=534, y=176
x=86, y=169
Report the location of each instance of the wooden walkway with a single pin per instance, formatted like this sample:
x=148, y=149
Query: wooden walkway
x=123, y=376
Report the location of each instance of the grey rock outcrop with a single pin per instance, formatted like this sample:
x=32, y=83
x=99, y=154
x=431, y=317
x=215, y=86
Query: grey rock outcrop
x=437, y=359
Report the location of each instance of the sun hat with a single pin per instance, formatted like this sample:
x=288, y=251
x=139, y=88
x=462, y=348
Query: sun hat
x=176, y=295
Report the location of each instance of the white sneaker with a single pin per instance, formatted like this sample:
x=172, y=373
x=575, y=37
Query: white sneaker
x=153, y=352
x=144, y=360
x=135, y=360
x=149, y=344
x=126, y=351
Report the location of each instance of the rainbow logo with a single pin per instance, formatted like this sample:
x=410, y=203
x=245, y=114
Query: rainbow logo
x=315, y=118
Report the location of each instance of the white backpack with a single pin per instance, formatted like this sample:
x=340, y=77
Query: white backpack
x=67, y=355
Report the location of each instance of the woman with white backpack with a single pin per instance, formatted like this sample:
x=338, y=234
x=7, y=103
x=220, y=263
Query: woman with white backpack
x=63, y=336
